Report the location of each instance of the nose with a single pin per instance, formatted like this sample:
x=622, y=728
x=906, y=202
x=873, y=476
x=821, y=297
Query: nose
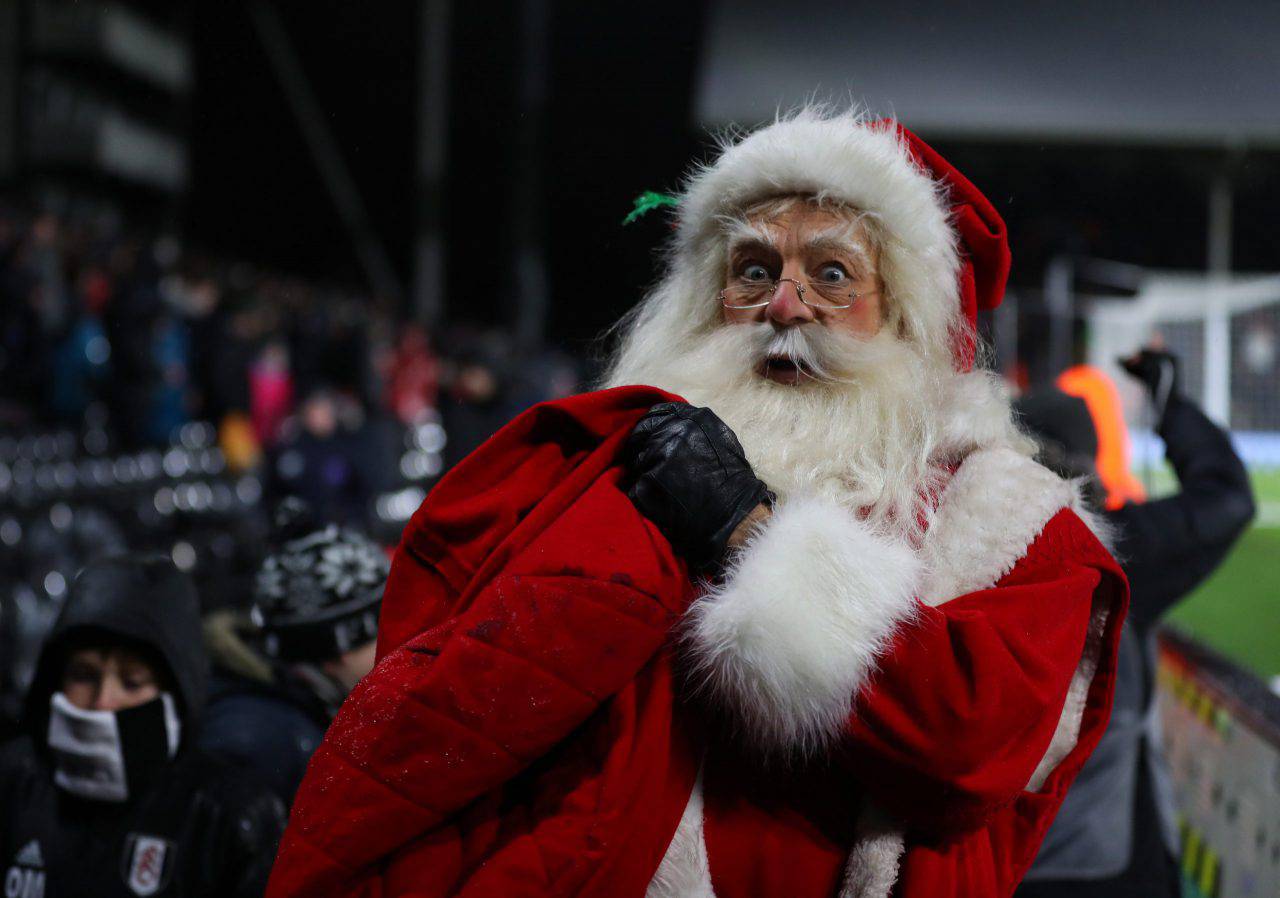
x=785, y=307
x=110, y=696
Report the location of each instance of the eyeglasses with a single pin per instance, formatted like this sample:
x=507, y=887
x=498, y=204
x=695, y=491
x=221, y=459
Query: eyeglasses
x=824, y=296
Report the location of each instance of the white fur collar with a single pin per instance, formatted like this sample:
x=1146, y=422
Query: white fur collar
x=996, y=504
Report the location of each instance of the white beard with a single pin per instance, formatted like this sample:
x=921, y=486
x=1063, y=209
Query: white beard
x=862, y=429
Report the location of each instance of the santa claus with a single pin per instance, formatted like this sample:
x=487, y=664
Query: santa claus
x=798, y=617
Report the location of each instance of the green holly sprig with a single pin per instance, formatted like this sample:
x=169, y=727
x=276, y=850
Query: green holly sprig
x=647, y=202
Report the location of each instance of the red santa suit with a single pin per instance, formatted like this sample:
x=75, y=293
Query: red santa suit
x=886, y=716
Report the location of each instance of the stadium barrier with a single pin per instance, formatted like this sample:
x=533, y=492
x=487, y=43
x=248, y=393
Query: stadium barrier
x=1222, y=739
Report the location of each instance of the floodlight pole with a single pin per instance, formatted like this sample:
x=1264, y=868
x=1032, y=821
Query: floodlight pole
x=324, y=151
x=1059, y=298
x=432, y=161
x=527, y=211
x=1217, y=319
x=1005, y=327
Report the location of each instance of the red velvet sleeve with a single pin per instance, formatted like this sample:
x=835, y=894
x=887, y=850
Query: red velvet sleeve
x=487, y=507
x=966, y=702
x=456, y=712
x=526, y=592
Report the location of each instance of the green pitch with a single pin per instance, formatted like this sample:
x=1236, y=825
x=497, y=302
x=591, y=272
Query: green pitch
x=1236, y=609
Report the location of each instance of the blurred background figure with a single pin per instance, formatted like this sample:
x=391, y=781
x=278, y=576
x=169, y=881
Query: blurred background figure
x=1116, y=833
x=280, y=673
x=1111, y=450
x=317, y=458
x=413, y=381
x=106, y=793
x=82, y=363
x=171, y=358
x=271, y=391
x=479, y=396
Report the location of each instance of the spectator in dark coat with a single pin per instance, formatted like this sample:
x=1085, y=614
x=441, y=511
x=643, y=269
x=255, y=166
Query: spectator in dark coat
x=1115, y=833
x=319, y=461
x=106, y=794
x=278, y=683
x=261, y=714
x=478, y=401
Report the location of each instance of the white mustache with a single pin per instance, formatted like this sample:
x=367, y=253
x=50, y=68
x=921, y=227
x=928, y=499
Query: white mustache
x=818, y=353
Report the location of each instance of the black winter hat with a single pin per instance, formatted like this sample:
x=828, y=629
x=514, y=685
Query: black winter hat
x=318, y=593
x=1054, y=416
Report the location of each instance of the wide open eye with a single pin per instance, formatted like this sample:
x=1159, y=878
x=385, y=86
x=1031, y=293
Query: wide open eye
x=832, y=273
x=754, y=272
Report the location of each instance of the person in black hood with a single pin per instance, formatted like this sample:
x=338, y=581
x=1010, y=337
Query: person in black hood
x=106, y=793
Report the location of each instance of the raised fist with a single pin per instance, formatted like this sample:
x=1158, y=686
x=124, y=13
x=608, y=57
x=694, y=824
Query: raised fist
x=1158, y=371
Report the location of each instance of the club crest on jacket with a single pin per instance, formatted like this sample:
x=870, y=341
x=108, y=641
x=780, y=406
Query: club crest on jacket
x=147, y=863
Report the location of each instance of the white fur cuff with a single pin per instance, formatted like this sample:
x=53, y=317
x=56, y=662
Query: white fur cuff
x=790, y=637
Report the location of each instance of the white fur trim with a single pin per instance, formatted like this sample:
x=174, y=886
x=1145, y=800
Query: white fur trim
x=1067, y=732
x=872, y=866
x=685, y=871
x=788, y=640
x=995, y=506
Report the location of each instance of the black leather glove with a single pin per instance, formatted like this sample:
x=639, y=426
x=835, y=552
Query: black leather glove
x=692, y=479
x=1158, y=371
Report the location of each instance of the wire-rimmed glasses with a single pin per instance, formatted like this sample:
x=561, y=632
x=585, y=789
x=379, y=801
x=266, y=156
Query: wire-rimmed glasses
x=829, y=297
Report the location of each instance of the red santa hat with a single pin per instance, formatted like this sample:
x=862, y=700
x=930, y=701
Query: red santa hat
x=945, y=253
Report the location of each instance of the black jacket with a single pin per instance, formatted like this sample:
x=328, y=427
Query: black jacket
x=1169, y=546
x=196, y=828
x=271, y=728
x=209, y=831
x=1116, y=827
x=260, y=715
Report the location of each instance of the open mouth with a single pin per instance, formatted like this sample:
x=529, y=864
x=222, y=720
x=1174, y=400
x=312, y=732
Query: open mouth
x=783, y=369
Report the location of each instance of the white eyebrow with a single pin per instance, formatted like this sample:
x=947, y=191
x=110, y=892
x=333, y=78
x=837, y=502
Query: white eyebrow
x=842, y=237
x=742, y=230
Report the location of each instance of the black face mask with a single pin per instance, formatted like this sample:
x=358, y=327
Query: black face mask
x=111, y=755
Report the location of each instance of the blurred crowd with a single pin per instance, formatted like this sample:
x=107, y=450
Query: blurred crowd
x=158, y=399
x=103, y=324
